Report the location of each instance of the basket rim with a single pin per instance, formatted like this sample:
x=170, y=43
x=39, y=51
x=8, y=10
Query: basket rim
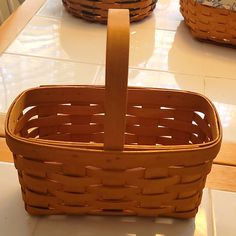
x=98, y=147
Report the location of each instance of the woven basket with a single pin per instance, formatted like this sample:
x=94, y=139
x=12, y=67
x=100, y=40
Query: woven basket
x=209, y=23
x=96, y=11
x=96, y=150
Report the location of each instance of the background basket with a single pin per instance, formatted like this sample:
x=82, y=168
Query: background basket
x=96, y=150
x=97, y=11
x=209, y=23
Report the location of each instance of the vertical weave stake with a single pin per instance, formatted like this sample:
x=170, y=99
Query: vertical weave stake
x=113, y=150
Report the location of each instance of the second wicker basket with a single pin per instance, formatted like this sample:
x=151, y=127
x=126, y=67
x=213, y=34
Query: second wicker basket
x=211, y=20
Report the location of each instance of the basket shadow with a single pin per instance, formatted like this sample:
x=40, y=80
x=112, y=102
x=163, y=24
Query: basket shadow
x=116, y=226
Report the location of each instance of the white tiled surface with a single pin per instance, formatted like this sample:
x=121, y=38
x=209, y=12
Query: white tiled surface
x=159, y=79
x=224, y=212
x=18, y=73
x=211, y=220
x=56, y=48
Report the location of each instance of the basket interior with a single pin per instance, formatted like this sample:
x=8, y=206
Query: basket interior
x=154, y=117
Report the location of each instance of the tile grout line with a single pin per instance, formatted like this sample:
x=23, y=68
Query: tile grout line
x=130, y=67
x=96, y=64
x=51, y=58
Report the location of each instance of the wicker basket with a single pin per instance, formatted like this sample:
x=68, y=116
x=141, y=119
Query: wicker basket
x=96, y=150
x=209, y=23
x=96, y=11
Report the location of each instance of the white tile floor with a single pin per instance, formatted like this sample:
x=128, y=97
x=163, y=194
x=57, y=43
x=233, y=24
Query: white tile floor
x=54, y=49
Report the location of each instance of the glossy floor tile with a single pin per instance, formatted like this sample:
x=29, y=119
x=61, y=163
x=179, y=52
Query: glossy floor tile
x=166, y=50
x=166, y=15
x=222, y=92
x=224, y=212
x=150, y=48
x=52, y=9
x=18, y=73
x=158, y=79
x=58, y=39
x=12, y=210
x=220, y=61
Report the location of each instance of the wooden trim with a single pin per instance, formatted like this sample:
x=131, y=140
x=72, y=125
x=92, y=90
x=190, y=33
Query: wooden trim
x=2, y=124
x=5, y=153
x=17, y=21
x=227, y=153
x=222, y=177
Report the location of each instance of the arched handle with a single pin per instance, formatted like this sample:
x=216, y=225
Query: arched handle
x=117, y=63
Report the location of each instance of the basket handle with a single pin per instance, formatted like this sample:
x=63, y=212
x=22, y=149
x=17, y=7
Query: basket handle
x=117, y=63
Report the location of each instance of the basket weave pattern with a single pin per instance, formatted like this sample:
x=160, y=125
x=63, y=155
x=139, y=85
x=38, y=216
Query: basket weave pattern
x=97, y=11
x=209, y=23
x=72, y=158
x=167, y=181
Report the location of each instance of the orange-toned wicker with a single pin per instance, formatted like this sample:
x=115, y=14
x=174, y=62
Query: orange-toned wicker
x=209, y=23
x=96, y=150
x=96, y=11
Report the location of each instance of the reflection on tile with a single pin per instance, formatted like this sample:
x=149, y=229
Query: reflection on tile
x=227, y=113
x=158, y=79
x=224, y=209
x=203, y=219
x=222, y=92
x=169, y=9
x=61, y=39
x=52, y=8
x=167, y=14
x=150, y=48
x=166, y=50
x=18, y=73
x=219, y=61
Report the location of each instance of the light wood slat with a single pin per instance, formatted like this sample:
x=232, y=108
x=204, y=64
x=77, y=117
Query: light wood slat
x=17, y=21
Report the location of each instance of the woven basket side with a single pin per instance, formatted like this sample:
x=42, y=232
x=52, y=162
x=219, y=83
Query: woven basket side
x=210, y=23
x=69, y=188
